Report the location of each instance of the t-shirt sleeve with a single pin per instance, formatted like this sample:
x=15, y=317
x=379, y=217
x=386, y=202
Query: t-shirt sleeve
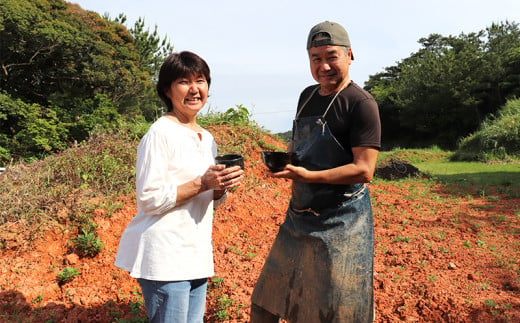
x=366, y=125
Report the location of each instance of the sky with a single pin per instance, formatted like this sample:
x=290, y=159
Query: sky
x=256, y=50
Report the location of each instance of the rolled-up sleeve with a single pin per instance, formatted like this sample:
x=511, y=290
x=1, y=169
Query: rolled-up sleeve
x=156, y=192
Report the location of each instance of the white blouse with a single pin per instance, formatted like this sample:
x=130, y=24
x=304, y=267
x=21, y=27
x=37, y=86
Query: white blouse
x=163, y=241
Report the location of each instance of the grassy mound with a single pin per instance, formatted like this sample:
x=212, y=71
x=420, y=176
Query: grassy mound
x=497, y=139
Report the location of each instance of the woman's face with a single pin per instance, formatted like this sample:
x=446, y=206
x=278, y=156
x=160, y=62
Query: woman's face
x=188, y=94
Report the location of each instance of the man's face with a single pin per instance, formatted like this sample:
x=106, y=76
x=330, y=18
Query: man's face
x=330, y=67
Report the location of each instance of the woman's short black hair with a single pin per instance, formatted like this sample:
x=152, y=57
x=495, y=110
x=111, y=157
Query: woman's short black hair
x=179, y=65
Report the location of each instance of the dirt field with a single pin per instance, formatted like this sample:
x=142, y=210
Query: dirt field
x=442, y=255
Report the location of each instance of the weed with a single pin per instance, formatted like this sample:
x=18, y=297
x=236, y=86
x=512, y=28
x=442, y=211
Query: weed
x=216, y=282
x=441, y=235
x=250, y=255
x=428, y=244
x=135, y=307
x=490, y=303
x=59, y=186
x=402, y=239
x=224, y=303
x=235, y=250
x=37, y=300
x=498, y=219
x=67, y=275
x=114, y=314
x=88, y=244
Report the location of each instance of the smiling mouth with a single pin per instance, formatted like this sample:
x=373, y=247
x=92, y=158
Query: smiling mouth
x=328, y=75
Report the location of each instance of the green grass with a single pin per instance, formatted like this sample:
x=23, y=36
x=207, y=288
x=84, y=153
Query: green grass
x=472, y=173
x=436, y=163
x=415, y=155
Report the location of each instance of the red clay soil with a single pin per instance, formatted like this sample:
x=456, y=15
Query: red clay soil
x=440, y=256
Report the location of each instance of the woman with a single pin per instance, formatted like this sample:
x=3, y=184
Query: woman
x=167, y=245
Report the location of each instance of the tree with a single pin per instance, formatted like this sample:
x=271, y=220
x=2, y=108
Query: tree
x=152, y=53
x=53, y=51
x=28, y=127
x=435, y=88
x=78, y=65
x=381, y=87
x=502, y=81
x=445, y=90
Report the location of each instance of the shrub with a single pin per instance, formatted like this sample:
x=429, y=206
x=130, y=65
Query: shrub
x=62, y=184
x=28, y=129
x=497, y=139
x=237, y=116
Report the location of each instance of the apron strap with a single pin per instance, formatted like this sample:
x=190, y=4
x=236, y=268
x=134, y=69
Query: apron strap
x=332, y=101
x=328, y=107
x=307, y=101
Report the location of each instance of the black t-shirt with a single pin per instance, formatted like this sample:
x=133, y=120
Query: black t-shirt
x=353, y=117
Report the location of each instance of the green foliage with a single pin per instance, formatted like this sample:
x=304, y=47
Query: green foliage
x=473, y=173
x=152, y=52
x=216, y=282
x=235, y=116
x=67, y=275
x=497, y=139
x=222, y=313
x=490, y=303
x=437, y=164
x=222, y=302
x=414, y=156
x=55, y=51
x=66, y=71
x=87, y=244
x=60, y=186
x=285, y=136
x=443, y=91
x=98, y=113
x=28, y=128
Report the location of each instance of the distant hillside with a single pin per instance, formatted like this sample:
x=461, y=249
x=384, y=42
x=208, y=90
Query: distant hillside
x=286, y=136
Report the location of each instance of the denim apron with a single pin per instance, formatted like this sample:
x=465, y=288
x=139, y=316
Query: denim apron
x=320, y=267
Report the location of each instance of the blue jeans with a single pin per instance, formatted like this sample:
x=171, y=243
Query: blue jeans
x=175, y=301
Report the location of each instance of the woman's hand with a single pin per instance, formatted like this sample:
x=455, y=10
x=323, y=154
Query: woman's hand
x=218, y=177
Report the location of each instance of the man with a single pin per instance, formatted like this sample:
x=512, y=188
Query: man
x=320, y=268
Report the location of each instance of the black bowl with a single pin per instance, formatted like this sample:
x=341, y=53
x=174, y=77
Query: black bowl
x=276, y=160
x=230, y=160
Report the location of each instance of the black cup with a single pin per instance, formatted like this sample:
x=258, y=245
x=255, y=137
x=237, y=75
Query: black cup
x=276, y=160
x=230, y=160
